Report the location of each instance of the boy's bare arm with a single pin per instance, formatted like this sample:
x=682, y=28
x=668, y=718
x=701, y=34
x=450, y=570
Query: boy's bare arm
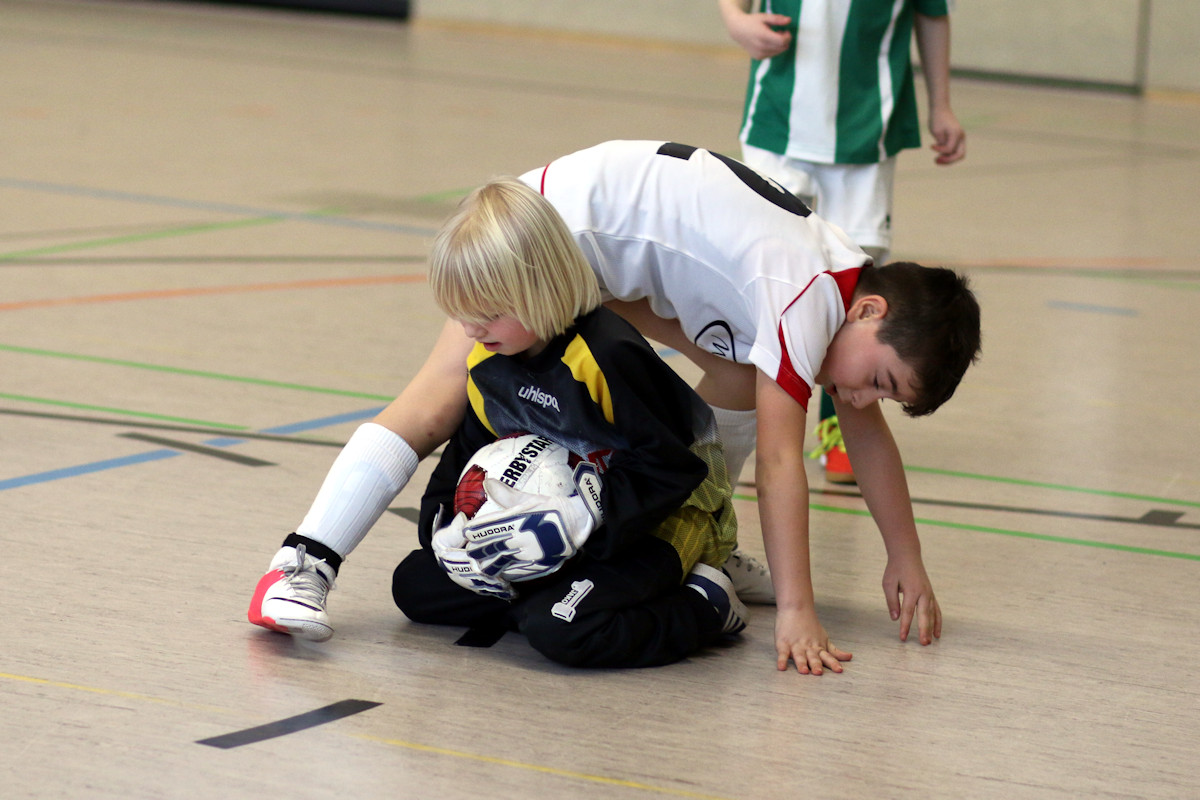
x=432, y=405
x=754, y=31
x=783, y=512
x=880, y=473
x=933, y=45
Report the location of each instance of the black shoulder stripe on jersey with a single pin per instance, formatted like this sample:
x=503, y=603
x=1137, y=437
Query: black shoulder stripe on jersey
x=763, y=187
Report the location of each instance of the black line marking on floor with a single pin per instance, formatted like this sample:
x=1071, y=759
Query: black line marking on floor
x=413, y=515
x=485, y=635
x=1157, y=518
x=1167, y=519
x=283, y=727
x=199, y=449
x=160, y=426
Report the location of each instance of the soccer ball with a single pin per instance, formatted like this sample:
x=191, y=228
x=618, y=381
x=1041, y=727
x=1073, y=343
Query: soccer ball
x=525, y=461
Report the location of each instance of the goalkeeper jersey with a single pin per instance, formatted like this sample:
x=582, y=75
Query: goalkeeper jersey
x=843, y=91
x=600, y=390
x=751, y=275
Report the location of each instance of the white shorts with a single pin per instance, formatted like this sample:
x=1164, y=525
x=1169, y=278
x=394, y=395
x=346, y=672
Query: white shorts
x=855, y=197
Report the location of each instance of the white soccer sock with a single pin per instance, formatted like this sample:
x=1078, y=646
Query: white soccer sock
x=367, y=475
x=738, y=430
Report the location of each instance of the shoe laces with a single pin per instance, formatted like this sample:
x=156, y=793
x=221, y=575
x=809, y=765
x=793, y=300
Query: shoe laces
x=829, y=437
x=745, y=564
x=305, y=579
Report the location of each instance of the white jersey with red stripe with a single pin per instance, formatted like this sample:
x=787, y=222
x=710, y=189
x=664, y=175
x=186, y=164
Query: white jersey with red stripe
x=751, y=275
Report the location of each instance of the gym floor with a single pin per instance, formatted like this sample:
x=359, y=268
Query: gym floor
x=213, y=223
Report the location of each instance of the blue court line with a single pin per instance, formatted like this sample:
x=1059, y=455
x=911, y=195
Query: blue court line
x=159, y=455
x=323, y=422
x=1093, y=309
x=219, y=208
x=86, y=469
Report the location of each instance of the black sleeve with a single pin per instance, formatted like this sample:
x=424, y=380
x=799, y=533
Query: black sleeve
x=470, y=436
x=657, y=413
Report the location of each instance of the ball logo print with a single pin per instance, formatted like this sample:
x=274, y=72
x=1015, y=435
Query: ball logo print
x=524, y=461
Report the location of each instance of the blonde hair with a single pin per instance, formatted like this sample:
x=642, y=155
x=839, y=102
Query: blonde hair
x=507, y=252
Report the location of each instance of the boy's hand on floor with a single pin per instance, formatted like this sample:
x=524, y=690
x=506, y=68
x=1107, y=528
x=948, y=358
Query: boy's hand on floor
x=801, y=639
x=910, y=596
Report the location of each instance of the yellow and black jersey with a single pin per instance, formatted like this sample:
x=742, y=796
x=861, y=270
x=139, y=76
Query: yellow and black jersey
x=600, y=390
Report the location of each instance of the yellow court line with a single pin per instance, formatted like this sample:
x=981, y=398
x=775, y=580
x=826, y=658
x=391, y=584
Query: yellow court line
x=110, y=692
x=563, y=773
x=414, y=746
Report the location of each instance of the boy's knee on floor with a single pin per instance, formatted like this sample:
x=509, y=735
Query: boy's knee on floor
x=410, y=586
x=562, y=641
x=559, y=651
x=403, y=593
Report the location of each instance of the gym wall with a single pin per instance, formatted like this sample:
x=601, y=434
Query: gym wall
x=1118, y=45
x=1124, y=45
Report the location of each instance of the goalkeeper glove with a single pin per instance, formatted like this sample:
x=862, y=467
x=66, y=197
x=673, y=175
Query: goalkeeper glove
x=534, y=535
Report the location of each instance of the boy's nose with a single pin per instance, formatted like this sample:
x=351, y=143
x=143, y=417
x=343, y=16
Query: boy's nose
x=472, y=330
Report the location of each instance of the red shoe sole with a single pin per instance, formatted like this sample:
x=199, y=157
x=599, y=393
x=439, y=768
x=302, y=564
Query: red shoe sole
x=254, y=614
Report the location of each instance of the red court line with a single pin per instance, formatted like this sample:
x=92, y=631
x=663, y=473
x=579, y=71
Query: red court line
x=159, y=294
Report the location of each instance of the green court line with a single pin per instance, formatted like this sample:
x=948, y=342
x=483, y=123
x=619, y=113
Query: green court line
x=1158, y=279
x=123, y=412
x=192, y=373
x=1164, y=284
x=137, y=237
x=1042, y=537
x=1055, y=486
x=1125, y=548
x=166, y=233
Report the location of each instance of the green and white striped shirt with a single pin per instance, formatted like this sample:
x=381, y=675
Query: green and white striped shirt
x=843, y=92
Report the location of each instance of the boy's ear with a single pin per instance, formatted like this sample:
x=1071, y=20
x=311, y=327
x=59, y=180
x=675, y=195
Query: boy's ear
x=871, y=306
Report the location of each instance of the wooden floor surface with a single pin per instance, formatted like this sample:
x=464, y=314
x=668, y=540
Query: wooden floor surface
x=213, y=223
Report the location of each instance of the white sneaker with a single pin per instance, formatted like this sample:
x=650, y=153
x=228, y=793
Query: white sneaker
x=751, y=578
x=716, y=587
x=290, y=598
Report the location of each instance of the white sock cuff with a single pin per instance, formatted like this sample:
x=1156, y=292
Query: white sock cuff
x=367, y=475
x=739, y=434
x=385, y=449
x=733, y=423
